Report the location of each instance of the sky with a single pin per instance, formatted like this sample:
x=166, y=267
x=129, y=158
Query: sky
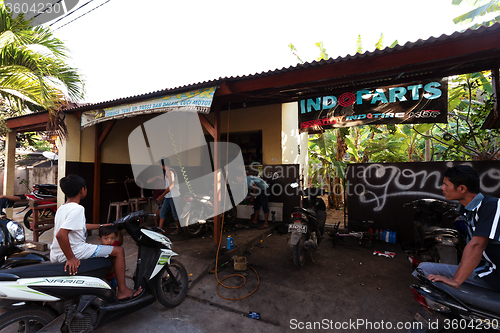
x=126, y=48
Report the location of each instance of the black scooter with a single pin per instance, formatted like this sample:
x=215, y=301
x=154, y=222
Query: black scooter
x=43, y=298
x=11, y=252
x=198, y=214
x=465, y=309
x=307, y=225
x=433, y=242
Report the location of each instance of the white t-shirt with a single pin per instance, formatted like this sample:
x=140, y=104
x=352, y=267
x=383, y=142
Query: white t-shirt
x=174, y=192
x=71, y=216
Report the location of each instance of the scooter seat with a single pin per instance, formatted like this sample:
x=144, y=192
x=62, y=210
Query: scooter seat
x=477, y=297
x=305, y=211
x=97, y=267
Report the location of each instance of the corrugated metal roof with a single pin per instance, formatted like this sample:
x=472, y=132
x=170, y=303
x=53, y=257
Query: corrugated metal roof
x=341, y=81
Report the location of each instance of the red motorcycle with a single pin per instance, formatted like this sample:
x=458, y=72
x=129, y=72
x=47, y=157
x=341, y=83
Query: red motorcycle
x=44, y=194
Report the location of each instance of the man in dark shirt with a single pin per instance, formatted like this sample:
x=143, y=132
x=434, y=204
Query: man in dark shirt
x=481, y=255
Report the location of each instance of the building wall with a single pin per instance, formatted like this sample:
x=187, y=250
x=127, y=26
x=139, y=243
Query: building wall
x=268, y=119
x=265, y=118
x=293, y=144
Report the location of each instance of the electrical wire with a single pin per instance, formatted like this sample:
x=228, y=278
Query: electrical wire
x=78, y=16
x=220, y=240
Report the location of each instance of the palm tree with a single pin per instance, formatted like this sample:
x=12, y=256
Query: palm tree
x=34, y=74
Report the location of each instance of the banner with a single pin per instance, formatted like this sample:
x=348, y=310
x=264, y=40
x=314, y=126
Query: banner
x=192, y=101
x=411, y=103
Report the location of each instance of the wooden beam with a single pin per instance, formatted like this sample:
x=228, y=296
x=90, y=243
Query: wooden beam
x=27, y=123
x=495, y=78
x=492, y=119
x=105, y=133
x=206, y=124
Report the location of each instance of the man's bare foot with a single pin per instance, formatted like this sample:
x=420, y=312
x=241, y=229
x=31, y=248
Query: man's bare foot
x=176, y=232
x=128, y=293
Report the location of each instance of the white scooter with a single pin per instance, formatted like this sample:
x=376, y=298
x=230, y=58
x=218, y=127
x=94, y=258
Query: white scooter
x=43, y=298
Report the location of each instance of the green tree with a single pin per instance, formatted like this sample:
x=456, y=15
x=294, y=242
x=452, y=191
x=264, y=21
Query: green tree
x=34, y=74
x=326, y=167
x=483, y=7
x=464, y=138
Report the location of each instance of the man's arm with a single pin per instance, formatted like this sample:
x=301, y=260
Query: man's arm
x=72, y=262
x=93, y=226
x=471, y=257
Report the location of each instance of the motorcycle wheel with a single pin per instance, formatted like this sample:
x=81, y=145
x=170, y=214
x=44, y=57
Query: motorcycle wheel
x=230, y=216
x=299, y=253
x=26, y=319
x=194, y=229
x=168, y=294
x=47, y=214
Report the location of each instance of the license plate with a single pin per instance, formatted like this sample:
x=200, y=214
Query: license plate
x=302, y=228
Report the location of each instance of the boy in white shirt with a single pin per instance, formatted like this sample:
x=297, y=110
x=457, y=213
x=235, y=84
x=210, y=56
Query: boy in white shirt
x=70, y=234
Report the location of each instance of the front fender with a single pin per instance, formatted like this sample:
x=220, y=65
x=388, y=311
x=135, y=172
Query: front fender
x=164, y=259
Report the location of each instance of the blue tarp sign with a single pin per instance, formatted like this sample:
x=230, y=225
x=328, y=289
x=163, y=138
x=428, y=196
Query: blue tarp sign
x=192, y=101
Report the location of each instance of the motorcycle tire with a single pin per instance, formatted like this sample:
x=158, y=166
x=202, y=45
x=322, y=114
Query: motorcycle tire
x=167, y=293
x=47, y=214
x=299, y=253
x=230, y=216
x=26, y=319
x=194, y=229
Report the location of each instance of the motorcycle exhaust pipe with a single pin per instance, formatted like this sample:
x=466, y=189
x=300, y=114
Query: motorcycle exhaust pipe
x=310, y=245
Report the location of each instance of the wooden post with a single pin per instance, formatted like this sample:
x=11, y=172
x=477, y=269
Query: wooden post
x=97, y=176
x=10, y=167
x=496, y=91
x=99, y=141
x=217, y=174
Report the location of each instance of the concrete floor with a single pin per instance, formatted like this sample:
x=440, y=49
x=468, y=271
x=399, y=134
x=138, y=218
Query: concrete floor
x=346, y=287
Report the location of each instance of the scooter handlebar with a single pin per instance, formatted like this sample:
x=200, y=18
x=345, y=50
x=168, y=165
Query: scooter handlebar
x=131, y=217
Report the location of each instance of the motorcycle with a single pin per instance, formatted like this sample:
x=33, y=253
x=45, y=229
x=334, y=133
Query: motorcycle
x=307, y=225
x=198, y=214
x=466, y=308
x=44, y=194
x=43, y=296
x=432, y=242
x=11, y=252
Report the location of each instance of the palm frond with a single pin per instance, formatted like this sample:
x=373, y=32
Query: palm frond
x=482, y=10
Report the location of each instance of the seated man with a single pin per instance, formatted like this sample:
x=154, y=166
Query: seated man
x=70, y=229
x=481, y=255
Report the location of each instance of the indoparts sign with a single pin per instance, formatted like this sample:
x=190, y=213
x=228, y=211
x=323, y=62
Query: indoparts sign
x=199, y=100
x=413, y=103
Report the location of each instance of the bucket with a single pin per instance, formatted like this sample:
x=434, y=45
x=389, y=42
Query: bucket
x=240, y=264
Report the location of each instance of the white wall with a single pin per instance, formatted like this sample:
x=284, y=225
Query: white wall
x=293, y=144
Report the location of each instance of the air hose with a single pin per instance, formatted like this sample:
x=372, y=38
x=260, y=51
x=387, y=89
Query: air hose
x=220, y=240
x=183, y=171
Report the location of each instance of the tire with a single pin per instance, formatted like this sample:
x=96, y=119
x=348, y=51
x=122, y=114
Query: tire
x=230, y=216
x=194, y=229
x=299, y=253
x=26, y=319
x=45, y=215
x=167, y=293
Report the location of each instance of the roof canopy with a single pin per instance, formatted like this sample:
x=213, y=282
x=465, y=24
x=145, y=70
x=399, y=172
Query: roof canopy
x=459, y=53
